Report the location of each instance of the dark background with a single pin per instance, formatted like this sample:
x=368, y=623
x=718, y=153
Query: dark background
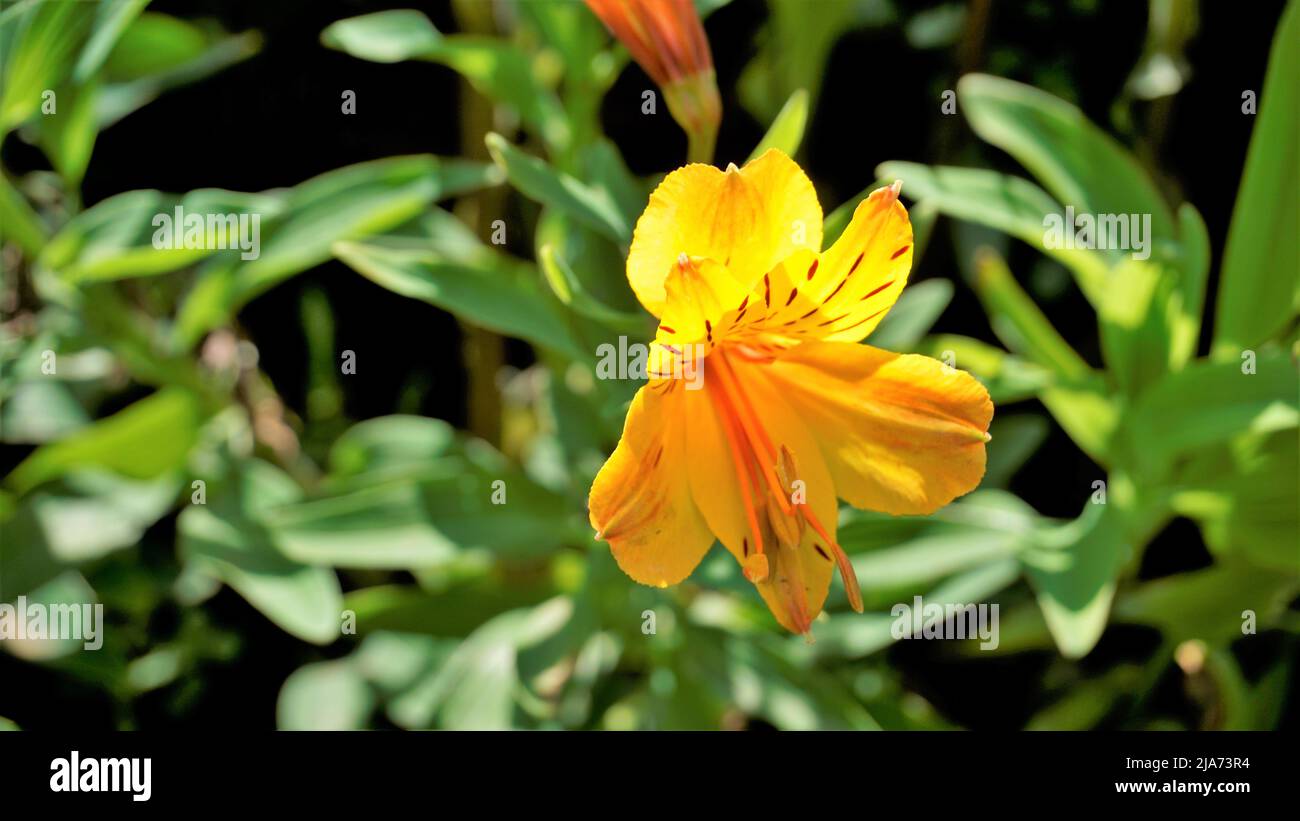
x=275, y=120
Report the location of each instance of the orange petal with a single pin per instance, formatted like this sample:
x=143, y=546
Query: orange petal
x=641, y=501
x=902, y=434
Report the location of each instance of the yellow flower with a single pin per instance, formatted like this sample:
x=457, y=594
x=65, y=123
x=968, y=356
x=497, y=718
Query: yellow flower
x=791, y=413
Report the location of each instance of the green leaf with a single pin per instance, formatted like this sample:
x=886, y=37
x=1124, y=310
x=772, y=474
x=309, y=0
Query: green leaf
x=141, y=441
x=326, y=695
x=157, y=52
x=1077, y=162
x=1211, y=402
x=1243, y=495
x=1208, y=604
x=493, y=66
x=1008, y=204
x=114, y=239
x=114, y=18
x=569, y=290
x=390, y=447
x=94, y=513
x=18, y=221
x=345, y=204
x=1020, y=324
x=427, y=517
x=539, y=181
x=786, y=131
x=1259, y=289
x=501, y=294
x=42, y=40
x=1073, y=570
x=226, y=539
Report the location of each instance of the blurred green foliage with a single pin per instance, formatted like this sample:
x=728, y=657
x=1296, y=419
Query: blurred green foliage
x=446, y=610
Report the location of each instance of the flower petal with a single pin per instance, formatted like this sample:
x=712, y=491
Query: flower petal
x=811, y=564
x=903, y=434
x=641, y=501
x=746, y=219
x=860, y=277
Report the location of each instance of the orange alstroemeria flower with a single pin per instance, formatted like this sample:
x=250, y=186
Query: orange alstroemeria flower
x=791, y=413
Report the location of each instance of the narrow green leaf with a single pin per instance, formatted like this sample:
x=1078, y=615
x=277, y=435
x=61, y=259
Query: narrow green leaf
x=1211, y=402
x=1259, y=290
x=144, y=440
x=786, y=131
x=1077, y=162
x=1073, y=570
x=539, y=181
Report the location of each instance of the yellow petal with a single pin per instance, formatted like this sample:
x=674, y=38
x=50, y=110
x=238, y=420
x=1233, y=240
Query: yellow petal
x=902, y=434
x=641, y=501
x=862, y=274
x=746, y=219
x=841, y=294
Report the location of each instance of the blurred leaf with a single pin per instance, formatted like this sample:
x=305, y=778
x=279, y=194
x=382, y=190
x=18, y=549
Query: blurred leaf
x=40, y=411
x=18, y=221
x=1244, y=498
x=539, y=181
x=1077, y=162
x=1020, y=324
x=1208, y=604
x=114, y=239
x=406, y=493
x=786, y=131
x=68, y=136
x=327, y=695
x=157, y=52
x=1210, y=402
x=1087, y=702
x=1188, y=299
x=96, y=512
x=1008, y=204
x=141, y=441
x=493, y=66
x=42, y=40
x=501, y=294
x=917, y=309
x=1073, y=570
x=451, y=612
x=606, y=171
x=390, y=447
x=226, y=539
x=854, y=636
x=794, y=48
x=114, y=17
x=564, y=283
x=344, y=204
x=1259, y=288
